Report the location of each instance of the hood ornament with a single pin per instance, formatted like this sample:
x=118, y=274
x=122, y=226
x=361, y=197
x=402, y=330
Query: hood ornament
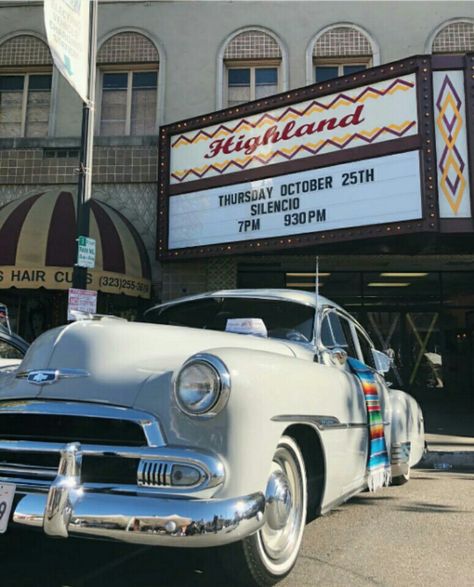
x=48, y=376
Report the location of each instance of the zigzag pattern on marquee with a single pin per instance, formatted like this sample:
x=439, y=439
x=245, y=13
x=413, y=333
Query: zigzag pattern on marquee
x=288, y=154
x=292, y=113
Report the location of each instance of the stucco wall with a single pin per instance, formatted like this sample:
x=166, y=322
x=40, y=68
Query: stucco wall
x=189, y=36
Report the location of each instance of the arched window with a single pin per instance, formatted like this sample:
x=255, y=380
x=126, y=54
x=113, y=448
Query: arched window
x=455, y=37
x=340, y=50
x=128, y=64
x=25, y=87
x=252, y=67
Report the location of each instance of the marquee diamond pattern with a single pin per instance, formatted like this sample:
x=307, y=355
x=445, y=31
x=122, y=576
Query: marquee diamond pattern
x=451, y=164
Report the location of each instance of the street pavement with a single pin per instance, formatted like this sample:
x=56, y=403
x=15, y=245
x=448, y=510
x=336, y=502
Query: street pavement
x=450, y=439
x=419, y=534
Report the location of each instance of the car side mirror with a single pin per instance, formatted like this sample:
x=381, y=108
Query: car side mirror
x=383, y=362
x=338, y=356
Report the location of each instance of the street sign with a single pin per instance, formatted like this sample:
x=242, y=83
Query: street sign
x=81, y=300
x=86, y=252
x=67, y=29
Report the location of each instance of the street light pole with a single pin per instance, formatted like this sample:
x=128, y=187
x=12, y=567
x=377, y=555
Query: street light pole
x=84, y=186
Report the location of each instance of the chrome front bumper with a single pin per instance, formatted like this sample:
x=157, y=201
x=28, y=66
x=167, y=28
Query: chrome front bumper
x=143, y=520
x=148, y=507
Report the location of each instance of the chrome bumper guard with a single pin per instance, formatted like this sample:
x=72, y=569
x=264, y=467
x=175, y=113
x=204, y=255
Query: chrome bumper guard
x=71, y=508
x=400, y=458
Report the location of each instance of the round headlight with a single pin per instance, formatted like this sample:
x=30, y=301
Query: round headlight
x=202, y=386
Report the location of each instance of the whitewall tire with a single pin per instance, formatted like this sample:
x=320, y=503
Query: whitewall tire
x=269, y=555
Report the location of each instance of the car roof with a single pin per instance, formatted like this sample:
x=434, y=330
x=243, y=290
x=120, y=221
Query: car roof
x=288, y=295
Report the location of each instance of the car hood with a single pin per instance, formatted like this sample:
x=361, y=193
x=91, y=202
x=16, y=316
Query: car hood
x=112, y=359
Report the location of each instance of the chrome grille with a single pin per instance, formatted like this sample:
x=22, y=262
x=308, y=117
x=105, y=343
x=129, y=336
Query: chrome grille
x=33, y=450
x=65, y=427
x=154, y=473
x=29, y=465
x=33, y=433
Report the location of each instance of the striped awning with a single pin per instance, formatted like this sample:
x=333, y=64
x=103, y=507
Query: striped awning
x=38, y=246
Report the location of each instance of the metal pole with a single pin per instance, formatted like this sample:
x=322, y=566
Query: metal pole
x=84, y=186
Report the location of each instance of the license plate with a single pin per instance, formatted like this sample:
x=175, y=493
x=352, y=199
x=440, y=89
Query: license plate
x=7, y=493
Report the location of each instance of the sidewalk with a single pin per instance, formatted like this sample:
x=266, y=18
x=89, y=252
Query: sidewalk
x=449, y=437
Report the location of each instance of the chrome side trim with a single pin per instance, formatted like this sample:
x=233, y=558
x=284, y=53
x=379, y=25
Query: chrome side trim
x=149, y=520
x=341, y=499
x=322, y=422
x=148, y=422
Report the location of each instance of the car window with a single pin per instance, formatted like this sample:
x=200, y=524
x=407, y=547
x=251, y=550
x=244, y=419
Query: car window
x=346, y=331
x=336, y=332
x=282, y=319
x=8, y=351
x=366, y=349
x=327, y=337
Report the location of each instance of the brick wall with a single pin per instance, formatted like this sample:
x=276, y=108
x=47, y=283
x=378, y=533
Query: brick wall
x=58, y=166
x=221, y=273
x=181, y=278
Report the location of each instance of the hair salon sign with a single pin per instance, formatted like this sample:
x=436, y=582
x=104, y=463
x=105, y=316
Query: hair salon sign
x=350, y=158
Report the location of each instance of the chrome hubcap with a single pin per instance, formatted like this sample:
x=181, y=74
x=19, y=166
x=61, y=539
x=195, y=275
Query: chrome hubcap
x=279, y=500
x=284, y=512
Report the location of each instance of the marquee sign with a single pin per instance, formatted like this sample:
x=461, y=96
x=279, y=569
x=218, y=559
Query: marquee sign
x=451, y=144
x=350, y=158
x=371, y=191
x=366, y=115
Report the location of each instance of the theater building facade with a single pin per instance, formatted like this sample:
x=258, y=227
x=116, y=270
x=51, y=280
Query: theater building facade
x=234, y=152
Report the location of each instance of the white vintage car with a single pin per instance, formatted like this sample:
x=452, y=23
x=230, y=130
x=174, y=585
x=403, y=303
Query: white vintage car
x=230, y=419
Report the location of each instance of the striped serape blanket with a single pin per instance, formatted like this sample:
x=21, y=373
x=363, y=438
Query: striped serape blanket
x=378, y=465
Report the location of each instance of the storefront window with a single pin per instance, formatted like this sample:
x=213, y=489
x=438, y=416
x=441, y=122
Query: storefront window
x=458, y=288
x=396, y=287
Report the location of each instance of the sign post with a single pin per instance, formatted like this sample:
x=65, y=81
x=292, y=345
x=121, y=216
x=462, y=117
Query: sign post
x=71, y=28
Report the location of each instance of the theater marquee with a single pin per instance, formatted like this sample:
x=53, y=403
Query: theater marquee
x=350, y=158
x=371, y=191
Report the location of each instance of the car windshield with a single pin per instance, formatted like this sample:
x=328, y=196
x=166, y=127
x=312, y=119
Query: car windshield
x=282, y=319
